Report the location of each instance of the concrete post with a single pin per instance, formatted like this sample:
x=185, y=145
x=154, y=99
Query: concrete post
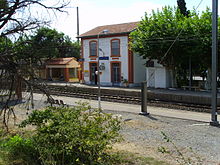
x=144, y=99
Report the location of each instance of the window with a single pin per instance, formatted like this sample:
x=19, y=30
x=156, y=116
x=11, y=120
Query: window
x=73, y=73
x=116, y=73
x=115, y=47
x=150, y=63
x=93, y=48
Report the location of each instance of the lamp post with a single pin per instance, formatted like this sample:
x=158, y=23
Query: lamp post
x=98, y=68
x=214, y=120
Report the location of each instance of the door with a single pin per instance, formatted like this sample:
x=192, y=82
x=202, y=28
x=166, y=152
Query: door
x=116, y=74
x=151, y=78
x=93, y=76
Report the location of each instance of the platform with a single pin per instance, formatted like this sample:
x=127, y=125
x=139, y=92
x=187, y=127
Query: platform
x=172, y=95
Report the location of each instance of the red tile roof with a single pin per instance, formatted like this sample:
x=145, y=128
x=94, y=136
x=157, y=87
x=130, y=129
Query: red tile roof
x=112, y=29
x=60, y=61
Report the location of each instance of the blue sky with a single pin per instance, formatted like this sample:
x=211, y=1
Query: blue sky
x=103, y=12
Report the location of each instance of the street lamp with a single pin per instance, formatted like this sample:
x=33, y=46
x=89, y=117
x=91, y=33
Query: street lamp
x=99, y=91
x=214, y=120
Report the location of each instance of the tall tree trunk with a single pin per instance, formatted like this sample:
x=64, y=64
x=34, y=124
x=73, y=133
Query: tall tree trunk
x=18, y=89
x=173, y=78
x=208, y=82
x=190, y=73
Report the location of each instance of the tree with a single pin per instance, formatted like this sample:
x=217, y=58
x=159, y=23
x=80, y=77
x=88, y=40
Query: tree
x=183, y=10
x=171, y=38
x=16, y=18
x=69, y=48
x=12, y=19
x=156, y=33
x=204, y=31
x=5, y=45
x=46, y=43
x=182, y=6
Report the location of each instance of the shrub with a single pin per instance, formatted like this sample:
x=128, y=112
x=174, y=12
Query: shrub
x=78, y=135
x=19, y=150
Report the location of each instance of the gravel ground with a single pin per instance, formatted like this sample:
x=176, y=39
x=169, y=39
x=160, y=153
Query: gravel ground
x=142, y=135
x=195, y=140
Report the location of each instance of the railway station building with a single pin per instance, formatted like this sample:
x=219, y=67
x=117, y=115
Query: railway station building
x=62, y=69
x=119, y=66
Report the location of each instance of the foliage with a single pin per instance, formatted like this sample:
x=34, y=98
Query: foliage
x=182, y=6
x=5, y=45
x=69, y=48
x=16, y=17
x=172, y=39
x=156, y=33
x=77, y=135
x=9, y=145
x=19, y=150
x=46, y=43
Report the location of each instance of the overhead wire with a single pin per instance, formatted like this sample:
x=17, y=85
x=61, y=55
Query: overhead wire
x=178, y=35
x=152, y=74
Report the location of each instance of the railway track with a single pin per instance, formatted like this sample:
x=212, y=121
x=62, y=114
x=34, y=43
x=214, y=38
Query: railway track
x=121, y=98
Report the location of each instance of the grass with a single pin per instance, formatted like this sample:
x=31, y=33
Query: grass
x=2, y=153
x=5, y=159
x=119, y=158
x=115, y=158
x=1, y=160
x=127, y=158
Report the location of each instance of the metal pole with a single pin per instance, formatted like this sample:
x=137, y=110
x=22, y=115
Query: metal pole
x=98, y=69
x=77, y=10
x=99, y=92
x=144, y=99
x=214, y=121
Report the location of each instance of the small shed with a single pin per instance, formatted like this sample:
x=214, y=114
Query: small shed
x=63, y=69
x=157, y=75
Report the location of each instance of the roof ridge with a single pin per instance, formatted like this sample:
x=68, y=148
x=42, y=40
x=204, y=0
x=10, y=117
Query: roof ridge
x=60, y=60
x=117, y=24
x=112, y=28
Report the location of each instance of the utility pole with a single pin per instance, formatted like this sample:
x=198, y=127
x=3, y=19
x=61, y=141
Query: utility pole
x=77, y=10
x=214, y=121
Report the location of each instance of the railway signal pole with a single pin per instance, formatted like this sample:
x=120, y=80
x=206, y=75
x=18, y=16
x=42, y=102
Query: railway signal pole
x=214, y=121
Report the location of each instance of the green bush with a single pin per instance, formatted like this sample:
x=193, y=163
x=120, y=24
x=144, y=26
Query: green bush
x=18, y=150
x=78, y=135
